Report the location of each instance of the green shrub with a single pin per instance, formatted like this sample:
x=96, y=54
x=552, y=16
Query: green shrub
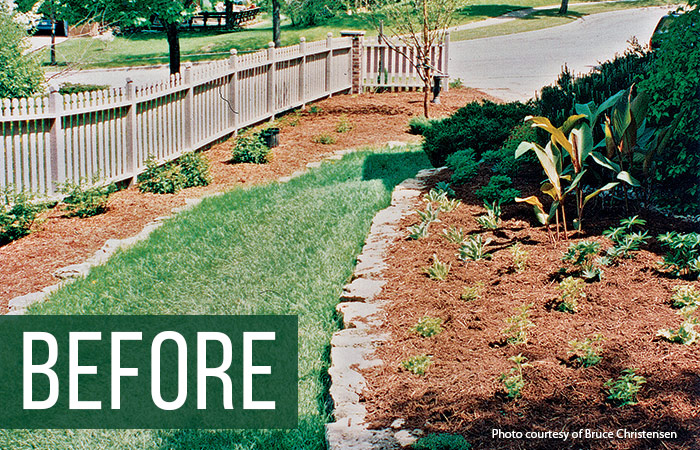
x=513, y=381
x=474, y=249
x=502, y=161
x=464, y=165
x=195, y=169
x=17, y=215
x=417, y=365
x=344, y=125
x=438, y=270
x=165, y=179
x=478, y=126
x=418, y=125
x=250, y=149
x=572, y=289
x=84, y=201
x=498, y=190
x=683, y=256
x=20, y=70
x=456, y=83
x=76, y=88
x=324, y=138
x=442, y=441
x=587, y=352
x=473, y=292
x=624, y=390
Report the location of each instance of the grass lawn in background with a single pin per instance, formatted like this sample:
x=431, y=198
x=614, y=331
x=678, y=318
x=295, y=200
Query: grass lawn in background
x=270, y=249
x=149, y=48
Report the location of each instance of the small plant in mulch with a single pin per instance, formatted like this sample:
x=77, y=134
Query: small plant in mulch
x=430, y=214
x=435, y=196
x=250, y=148
x=418, y=231
x=195, y=168
x=428, y=326
x=683, y=256
x=586, y=353
x=473, y=292
x=315, y=110
x=516, y=333
x=441, y=441
x=492, y=219
x=344, y=125
x=474, y=249
x=18, y=211
x=624, y=390
x=520, y=257
x=324, y=138
x=582, y=255
x=684, y=296
x=438, y=270
x=513, y=381
x=625, y=240
x=454, y=235
x=83, y=200
x=449, y=204
x=445, y=187
x=686, y=334
x=572, y=290
x=417, y=365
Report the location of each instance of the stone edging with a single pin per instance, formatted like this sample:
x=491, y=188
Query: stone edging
x=352, y=348
x=18, y=305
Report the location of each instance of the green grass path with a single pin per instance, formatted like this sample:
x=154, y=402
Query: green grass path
x=271, y=249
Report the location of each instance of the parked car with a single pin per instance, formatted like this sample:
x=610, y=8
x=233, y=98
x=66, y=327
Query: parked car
x=43, y=28
x=662, y=28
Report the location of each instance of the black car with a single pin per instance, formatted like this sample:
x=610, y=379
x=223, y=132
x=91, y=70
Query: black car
x=43, y=28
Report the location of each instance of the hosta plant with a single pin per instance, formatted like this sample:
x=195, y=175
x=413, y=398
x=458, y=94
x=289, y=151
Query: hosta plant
x=473, y=249
x=417, y=365
x=624, y=390
x=428, y=326
x=429, y=215
x=685, y=296
x=438, y=270
x=572, y=290
x=492, y=219
x=418, y=231
x=453, y=234
x=586, y=352
x=513, y=381
x=445, y=187
x=448, y=205
x=435, y=196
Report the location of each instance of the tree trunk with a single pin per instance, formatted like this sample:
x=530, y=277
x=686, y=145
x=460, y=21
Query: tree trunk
x=564, y=8
x=276, y=23
x=173, y=32
x=229, y=14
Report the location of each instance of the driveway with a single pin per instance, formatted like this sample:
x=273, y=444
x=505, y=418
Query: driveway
x=514, y=67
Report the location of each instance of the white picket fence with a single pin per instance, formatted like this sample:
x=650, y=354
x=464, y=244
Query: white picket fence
x=46, y=141
x=389, y=63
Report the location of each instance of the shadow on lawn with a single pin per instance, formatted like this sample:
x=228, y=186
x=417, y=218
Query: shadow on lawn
x=393, y=168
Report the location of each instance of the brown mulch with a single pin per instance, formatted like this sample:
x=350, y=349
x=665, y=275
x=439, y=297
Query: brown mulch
x=26, y=265
x=461, y=392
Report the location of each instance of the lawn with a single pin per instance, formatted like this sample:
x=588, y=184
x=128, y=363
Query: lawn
x=151, y=47
x=271, y=249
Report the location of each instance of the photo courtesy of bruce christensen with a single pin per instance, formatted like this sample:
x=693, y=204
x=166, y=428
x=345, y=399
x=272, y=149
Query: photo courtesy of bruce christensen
x=112, y=372
x=582, y=434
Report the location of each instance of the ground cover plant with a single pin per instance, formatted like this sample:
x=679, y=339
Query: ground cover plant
x=227, y=256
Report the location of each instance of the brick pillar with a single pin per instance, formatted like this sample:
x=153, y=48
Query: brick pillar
x=356, y=61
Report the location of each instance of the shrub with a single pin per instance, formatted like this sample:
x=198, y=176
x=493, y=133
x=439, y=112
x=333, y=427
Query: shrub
x=418, y=125
x=442, y=441
x=464, y=165
x=324, y=138
x=624, y=390
x=166, y=179
x=417, y=365
x=503, y=160
x=498, y=190
x=17, y=215
x=76, y=88
x=20, y=70
x=456, y=83
x=438, y=270
x=195, y=169
x=683, y=257
x=428, y=326
x=84, y=201
x=571, y=291
x=478, y=126
x=344, y=125
x=587, y=352
x=250, y=149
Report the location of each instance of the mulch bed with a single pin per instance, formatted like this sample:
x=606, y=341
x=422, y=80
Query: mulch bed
x=461, y=392
x=26, y=264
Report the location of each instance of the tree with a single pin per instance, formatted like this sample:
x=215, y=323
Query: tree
x=20, y=72
x=564, y=8
x=276, y=23
x=419, y=24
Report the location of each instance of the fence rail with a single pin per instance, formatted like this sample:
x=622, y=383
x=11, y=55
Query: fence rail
x=49, y=140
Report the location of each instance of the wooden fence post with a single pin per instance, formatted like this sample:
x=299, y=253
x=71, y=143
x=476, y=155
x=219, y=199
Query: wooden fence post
x=189, y=108
x=446, y=61
x=56, y=141
x=302, y=71
x=131, y=163
x=329, y=63
x=271, y=94
x=232, y=91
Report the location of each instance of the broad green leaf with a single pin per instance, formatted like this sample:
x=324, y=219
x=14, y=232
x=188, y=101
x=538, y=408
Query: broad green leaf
x=524, y=147
x=605, y=162
x=576, y=181
x=572, y=122
x=607, y=187
x=627, y=178
x=607, y=104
